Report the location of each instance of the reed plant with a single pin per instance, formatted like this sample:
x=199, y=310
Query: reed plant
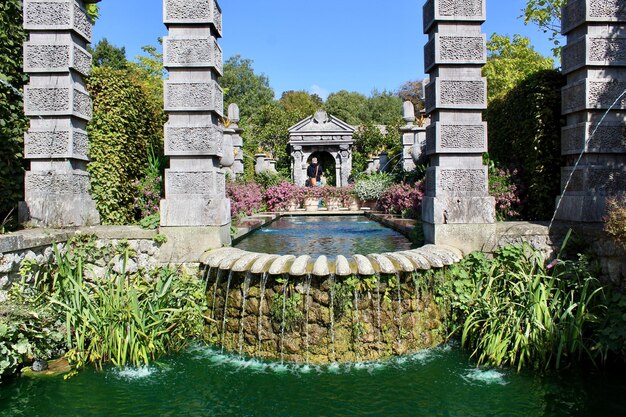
x=517, y=311
x=122, y=318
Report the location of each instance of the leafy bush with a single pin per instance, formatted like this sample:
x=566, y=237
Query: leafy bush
x=404, y=199
x=149, y=188
x=12, y=120
x=280, y=196
x=373, y=186
x=269, y=179
x=123, y=318
x=516, y=311
x=525, y=134
x=615, y=219
x=504, y=188
x=124, y=126
x=245, y=198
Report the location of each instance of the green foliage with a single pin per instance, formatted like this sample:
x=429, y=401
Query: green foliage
x=343, y=294
x=126, y=319
x=242, y=86
x=613, y=329
x=160, y=239
x=151, y=221
x=371, y=187
x=269, y=179
x=105, y=54
x=615, y=219
x=525, y=134
x=516, y=311
x=124, y=126
x=12, y=120
x=370, y=140
x=351, y=107
x=546, y=14
x=385, y=108
x=149, y=72
x=511, y=61
x=287, y=309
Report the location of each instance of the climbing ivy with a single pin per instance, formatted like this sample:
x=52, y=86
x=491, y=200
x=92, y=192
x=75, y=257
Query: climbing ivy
x=12, y=120
x=124, y=126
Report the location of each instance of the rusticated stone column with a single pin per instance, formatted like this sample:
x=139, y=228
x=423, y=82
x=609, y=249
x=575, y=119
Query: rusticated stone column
x=594, y=61
x=457, y=209
x=56, y=189
x=195, y=214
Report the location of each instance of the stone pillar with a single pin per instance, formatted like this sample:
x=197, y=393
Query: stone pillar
x=594, y=61
x=298, y=168
x=413, y=139
x=344, y=158
x=457, y=209
x=56, y=189
x=195, y=201
x=237, y=140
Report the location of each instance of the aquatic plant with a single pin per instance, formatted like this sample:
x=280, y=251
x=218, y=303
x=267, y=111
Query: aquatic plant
x=517, y=311
x=123, y=318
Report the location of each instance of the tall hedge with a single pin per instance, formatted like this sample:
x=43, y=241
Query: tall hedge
x=125, y=124
x=525, y=133
x=12, y=120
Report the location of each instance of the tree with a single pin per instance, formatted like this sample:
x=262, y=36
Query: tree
x=108, y=55
x=384, y=108
x=300, y=104
x=351, y=107
x=413, y=91
x=510, y=61
x=242, y=86
x=547, y=15
x=12, y=120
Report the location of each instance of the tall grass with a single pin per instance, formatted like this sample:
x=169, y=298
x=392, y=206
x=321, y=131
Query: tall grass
x=126, y=319
x=516, y=311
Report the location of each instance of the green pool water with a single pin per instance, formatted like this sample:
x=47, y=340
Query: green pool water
x=205, y=382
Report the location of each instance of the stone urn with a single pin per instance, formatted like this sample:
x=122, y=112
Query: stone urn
x=311, y=203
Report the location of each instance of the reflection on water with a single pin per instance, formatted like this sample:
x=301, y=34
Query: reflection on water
x=324, y=235
x=204, y=382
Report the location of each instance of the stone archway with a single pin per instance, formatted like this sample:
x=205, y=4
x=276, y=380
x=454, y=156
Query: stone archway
x=329, y=165
x=321, y=133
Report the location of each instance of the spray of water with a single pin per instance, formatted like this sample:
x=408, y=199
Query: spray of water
x=15, y=90
x=580, y=157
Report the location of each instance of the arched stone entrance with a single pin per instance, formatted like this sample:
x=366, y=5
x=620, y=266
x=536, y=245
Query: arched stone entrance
x=323, y=134
x=328, y=164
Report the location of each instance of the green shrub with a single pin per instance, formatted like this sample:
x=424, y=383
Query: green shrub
x=124, y=126
x=124, y=318
x=516, y=311
x=525, y=134
x=12, y=120
x=372, y=187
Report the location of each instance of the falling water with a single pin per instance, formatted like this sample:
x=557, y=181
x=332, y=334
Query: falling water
x=217, y=280
x=399, y=310
x=261, y=299
x=246, y=289
x=15, y=90
x=580, y=157
x=306, y=317
x=378, y=319
x=230, y=276
x=357, y=325
x=206, y=277
x=282, y=322
x=331, y=281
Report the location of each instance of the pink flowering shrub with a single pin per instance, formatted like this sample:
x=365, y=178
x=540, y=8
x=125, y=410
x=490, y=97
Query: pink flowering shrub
x=245, y=198
x=147, y=196
x=279, y=197
x=404, y=199
x=503, y=188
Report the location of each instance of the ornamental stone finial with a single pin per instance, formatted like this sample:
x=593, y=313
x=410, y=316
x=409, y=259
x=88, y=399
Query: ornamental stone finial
x=408, y=112
x=233, y=113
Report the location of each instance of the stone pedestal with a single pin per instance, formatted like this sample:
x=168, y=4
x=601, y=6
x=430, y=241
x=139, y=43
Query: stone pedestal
x=457, y=208
x=594, y=104
x=56, y=190
x=233, y=116
x=195, y=194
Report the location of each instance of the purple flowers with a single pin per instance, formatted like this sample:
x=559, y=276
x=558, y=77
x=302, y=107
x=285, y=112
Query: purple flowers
x=245, y=198
x=503, y=188
x=148, y=196
x=404, y=199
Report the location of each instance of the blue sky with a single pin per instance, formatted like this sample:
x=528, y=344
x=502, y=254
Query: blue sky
x=318, y=46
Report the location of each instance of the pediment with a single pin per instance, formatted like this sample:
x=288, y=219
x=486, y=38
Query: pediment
x=321, y=122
